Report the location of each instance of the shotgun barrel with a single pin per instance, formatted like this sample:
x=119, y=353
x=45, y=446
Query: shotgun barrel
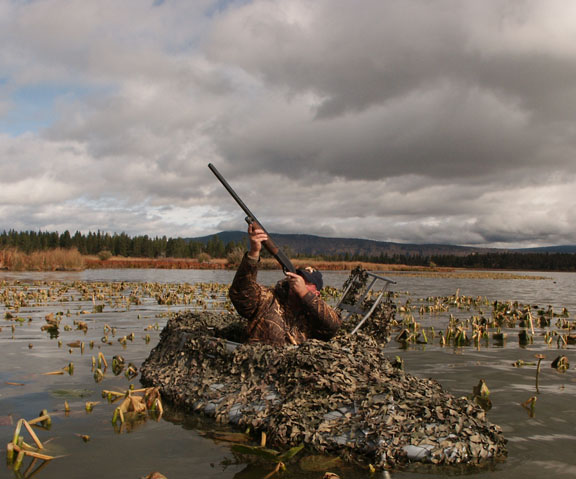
x=270, y=246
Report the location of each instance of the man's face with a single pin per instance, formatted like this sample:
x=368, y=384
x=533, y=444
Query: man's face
x=311, y=287
x=284, y=291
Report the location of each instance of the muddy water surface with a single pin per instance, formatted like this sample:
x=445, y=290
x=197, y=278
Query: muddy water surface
x=541, y=441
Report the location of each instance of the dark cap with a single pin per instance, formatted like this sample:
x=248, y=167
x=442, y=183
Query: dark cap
x=311, y=275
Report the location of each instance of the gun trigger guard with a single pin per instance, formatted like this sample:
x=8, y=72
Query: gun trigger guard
x=249, y=220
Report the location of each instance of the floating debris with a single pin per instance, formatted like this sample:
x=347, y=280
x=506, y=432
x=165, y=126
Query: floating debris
x=81, y=325
x=118, y=363
x=140, y=402
x=54, y=373
x=98, y=375
x=52, y=326
x=229, y=437
x=84, y=437
x=539, y=357
x=269, y=455
x=496, y=320
x=44, y=420
x=561, y=364
x=17, y=449
x=155, y=475
x=131, y=372
x=72, y=393
x=102, y=363
x=340, y=397
x=525, y=338
x=481, y=395
x=319, y=463
x=89, y=406
x=529, y=405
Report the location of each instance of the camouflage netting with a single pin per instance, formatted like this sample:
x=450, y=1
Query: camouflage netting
x=380, y=322
x=379, y=326
x=340, y=397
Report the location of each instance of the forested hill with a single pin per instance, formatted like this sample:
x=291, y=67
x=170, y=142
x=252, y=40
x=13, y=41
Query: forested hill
x=319, y=246
x=310, y=245
x=569, y=249
x=229, y=244
x=553, y=258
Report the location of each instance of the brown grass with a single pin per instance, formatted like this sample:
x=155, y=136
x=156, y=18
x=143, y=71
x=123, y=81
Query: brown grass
x=93, y=262
x=222, y=263
x=58, y=259
x=270, y=263
x=71, y=260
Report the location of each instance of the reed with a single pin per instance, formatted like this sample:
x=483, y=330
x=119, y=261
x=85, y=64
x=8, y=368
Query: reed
x=539, y=357
x=58, y=259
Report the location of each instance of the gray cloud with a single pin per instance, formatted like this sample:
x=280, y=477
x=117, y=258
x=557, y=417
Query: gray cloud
x=397, y=120
x=402, y=87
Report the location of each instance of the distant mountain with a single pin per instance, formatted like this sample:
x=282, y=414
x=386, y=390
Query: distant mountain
x=225, y=236
x=317, y=245
x=548, y=249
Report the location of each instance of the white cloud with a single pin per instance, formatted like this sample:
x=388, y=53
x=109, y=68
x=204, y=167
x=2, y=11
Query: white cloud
x=402, y=120
x=35, y=191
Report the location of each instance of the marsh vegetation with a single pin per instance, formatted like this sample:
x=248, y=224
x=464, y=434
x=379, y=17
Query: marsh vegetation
x=66, y=342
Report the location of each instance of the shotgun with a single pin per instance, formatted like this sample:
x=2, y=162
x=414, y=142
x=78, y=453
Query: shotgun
x=250, y=219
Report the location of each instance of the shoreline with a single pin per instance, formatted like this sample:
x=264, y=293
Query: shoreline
x=266, y=264
x=64, y=260
x=77, y=262
x=269, y=264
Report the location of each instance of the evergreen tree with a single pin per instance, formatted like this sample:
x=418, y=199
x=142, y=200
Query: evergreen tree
x=65, y=240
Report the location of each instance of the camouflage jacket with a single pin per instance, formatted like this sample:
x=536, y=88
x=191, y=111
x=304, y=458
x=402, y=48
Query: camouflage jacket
x=274, y=318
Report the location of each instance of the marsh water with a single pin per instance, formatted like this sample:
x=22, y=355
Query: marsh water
x=542, y=440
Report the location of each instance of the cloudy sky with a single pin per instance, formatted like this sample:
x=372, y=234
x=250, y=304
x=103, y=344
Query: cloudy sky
x=417, y=121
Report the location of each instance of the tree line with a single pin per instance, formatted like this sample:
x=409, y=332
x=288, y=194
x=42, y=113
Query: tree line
x=502, y=260
x=144, y=246
x=118, y=244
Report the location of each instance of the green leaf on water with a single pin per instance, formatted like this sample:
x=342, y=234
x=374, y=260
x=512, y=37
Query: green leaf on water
x=319, y=463
x=235, y=437
x=269, y=454
x=72, y=393
x=290, y=453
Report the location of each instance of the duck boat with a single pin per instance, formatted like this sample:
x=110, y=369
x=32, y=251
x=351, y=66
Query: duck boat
x=342, y=397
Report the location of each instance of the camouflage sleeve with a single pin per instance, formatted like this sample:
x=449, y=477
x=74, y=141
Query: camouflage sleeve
x=325, y=321
x=245, y=292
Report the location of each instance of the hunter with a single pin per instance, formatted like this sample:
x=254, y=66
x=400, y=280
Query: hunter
x=289, y=313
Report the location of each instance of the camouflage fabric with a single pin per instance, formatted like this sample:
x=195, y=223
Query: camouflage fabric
x=276, y=317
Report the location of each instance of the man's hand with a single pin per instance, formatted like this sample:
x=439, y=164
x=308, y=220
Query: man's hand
x=257, y=236
x=297, y=284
